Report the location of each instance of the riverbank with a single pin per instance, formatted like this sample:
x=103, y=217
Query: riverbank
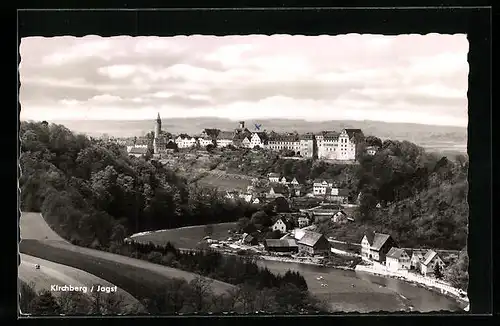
x=304, y=261
x=417, y=280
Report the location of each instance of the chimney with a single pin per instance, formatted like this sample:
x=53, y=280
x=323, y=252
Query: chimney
x=242, y=124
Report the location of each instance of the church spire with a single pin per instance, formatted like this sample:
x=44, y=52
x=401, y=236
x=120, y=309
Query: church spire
x=158, y=118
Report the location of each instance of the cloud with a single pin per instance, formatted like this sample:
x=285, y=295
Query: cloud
x=420, y=78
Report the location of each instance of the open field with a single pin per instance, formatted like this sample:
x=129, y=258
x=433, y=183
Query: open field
x=186, y=237
x=33, y=226
x=137, y=277
x=51, y=273
x=225, y=182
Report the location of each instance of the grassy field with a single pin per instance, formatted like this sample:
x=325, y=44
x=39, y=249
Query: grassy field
x=51, y=273
x=225, y=182
x=137, y=277
x=33, y=226
x=187, y=237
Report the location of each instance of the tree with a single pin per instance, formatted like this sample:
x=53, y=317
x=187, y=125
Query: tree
x=26, y=295
x=45, y=304
x=74, y=303
x=201, y=292
x=437, y=271
x=373, y=141
x=210, y=147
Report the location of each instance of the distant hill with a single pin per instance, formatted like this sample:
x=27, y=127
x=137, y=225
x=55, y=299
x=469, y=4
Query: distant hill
x=446, y=138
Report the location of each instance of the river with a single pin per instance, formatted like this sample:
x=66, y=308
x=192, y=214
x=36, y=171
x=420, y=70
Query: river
x=363, y=292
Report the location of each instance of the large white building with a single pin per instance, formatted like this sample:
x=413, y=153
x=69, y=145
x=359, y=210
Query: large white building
x=225, y=138
x=279, y=142
x=338, y=146
x=258, y=139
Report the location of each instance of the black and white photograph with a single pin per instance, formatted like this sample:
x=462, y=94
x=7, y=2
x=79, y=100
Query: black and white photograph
x=243, y=174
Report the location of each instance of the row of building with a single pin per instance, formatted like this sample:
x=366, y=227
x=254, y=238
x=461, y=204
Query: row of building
x=383, y=249
x=324, y=145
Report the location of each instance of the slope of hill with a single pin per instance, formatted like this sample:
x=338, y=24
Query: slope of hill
x=51, y=273
x=417, y=133
x=94, y=261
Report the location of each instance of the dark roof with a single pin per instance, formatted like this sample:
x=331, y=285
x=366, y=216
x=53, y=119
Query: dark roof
x=284, y=137
x=306, y=136
x=211, y=132
x=395, y=253
x=310, y=238
x=280, y=243
x=379, y=240
x=428, y=257
x=333, y=135
x=419, y=253
x=248, y=238
x=184, y=136
x=370, y=237
x=262, y=135
x=353, y=132
x=225, y=135
x=138, y=150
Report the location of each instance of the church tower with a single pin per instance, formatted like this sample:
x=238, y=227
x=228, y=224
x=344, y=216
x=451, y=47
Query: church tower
x=157, y=134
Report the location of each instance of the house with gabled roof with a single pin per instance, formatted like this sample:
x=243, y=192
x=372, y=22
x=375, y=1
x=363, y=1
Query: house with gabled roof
x=282, y=225
x=138, y=151
x=284, y=181
x=397, y=259
x=278, y=191
x=274, y=177
x=416, y=258
x=313, y=243
x=294, y=182
x=376, y=246
x=429, y=261
x=281, y=245
x=225, y=138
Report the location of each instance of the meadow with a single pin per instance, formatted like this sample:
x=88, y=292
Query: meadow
x=188, y=237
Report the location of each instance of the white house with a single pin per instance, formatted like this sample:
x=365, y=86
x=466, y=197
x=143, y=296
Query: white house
x=246, y=142
x=185, y=141
x=258, y=139
x=281, y=226
x=417, y=257
x=320, y=187
x=274, y=177
x=225, y=138
x=294, y=182
x=303, y=221
x=256, y=201
x=284, y=181
x=371, y=150
x=429, y=262
x=204, y=141
x=397, y=259
x=339, y=217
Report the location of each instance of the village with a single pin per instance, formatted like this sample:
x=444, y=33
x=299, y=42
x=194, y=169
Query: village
x=289, y=231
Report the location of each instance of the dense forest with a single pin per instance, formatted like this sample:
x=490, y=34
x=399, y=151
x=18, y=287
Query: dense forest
x=93, y=193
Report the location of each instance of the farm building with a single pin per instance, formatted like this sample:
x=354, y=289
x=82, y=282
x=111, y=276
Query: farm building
x=397, y=259
x=313, y=243
x=429, y=262
x=278, y=245
x=303, y=221
x=376, y=245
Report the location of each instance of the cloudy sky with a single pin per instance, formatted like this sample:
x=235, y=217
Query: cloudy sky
x=405, y=78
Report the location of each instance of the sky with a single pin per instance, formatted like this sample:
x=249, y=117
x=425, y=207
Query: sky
x=403, y=78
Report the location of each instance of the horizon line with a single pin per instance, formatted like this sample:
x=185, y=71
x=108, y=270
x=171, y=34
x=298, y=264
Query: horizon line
x=241, y=119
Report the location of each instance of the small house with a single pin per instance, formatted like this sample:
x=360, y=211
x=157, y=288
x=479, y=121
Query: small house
x=250, y=240
x=138, y=151
x=281, y=245
x=429, y=262
x=294, y=182
x=397, y=259
x=371, y=150
x=282, y=225
x=313, y=243
x=274, y=177
x=278, y=191
x=256, y=201
x=284, y=181
x=340, y=217
x=303, y=221
x=376, y=246
x=417, y=257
